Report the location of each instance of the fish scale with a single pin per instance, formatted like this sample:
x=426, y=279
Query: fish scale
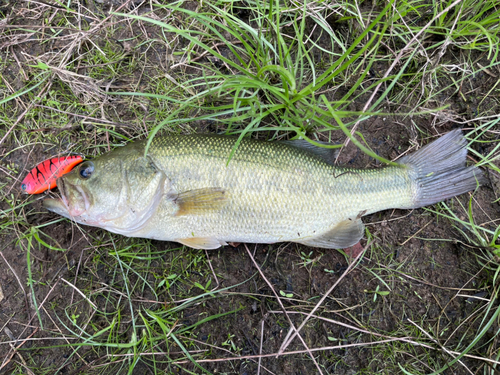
x=193, y=191
x=277, y=189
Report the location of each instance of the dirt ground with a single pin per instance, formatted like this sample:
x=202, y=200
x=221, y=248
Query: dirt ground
x=424, y=275
x=425, y=260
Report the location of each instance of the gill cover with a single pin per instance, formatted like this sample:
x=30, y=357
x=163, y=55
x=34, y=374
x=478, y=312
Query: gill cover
x=144, y=186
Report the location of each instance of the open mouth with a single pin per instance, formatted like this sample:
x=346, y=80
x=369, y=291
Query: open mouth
x=63, y=206
x=62, y=186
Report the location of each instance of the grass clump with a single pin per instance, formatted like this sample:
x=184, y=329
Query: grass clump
x=381, y=78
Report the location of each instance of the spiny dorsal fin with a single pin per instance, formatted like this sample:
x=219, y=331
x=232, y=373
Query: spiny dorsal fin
x=344, y=234
x=201, y=201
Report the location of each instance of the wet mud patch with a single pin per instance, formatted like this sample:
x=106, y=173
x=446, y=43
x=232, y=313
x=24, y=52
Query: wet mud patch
x=108, y=304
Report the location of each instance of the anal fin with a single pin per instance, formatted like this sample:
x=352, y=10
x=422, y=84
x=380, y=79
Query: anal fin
x=207, y=243
x=344, y=234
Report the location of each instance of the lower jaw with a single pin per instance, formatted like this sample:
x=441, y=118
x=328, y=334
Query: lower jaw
x=62, y=206
x=57, y=206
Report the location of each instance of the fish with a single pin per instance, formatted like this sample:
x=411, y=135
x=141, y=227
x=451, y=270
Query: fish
x=44, y=176
x=197, y=191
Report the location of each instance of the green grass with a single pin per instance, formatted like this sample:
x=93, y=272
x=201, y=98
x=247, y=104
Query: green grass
x=87, y=81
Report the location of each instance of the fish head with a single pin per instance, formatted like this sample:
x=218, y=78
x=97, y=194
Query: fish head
x=118, y=192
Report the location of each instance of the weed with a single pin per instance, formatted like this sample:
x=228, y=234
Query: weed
x=380, y=77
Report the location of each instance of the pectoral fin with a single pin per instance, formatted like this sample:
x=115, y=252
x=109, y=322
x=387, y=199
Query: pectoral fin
x=202, y=242
x=344, y=234
x=201, y=201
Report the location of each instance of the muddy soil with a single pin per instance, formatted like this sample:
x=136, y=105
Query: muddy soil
x=425, y=275
x=425, y=260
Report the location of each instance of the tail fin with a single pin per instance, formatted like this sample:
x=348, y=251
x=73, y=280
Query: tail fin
x=438, y=170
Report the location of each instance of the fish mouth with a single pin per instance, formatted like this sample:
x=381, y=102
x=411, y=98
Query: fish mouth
x=69, y=194
x=56, y=205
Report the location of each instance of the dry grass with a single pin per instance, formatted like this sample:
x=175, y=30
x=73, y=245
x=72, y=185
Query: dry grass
x=85, y=78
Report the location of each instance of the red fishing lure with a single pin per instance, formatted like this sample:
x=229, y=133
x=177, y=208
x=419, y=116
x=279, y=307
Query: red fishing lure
x=44, y=175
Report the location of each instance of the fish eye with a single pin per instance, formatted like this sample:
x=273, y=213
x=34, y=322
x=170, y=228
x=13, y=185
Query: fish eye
x=23, y=187
x=86, y=169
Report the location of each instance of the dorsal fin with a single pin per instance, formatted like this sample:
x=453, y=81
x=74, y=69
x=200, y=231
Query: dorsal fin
x=327, y=154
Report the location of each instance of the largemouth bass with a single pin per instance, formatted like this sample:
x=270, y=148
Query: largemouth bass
x=185, y=190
